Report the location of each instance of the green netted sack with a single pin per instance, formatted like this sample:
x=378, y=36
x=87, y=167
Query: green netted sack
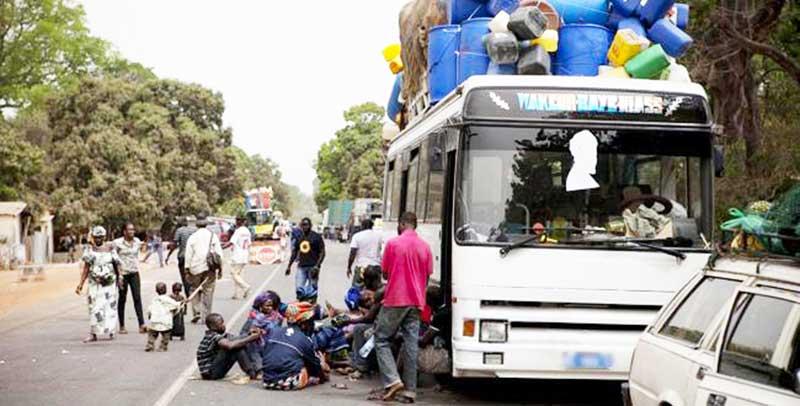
x=784, y=219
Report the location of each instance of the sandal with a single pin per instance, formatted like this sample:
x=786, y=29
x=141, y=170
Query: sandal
x=387, y=393
x=90, y=338
x=404, y=399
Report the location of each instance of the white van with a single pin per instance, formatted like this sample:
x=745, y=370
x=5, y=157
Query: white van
x=730, y=337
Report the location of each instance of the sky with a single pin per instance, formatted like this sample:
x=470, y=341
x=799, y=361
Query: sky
x=287, y=73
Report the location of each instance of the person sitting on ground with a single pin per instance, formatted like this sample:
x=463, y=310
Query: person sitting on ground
x=265, y=315
x=160, y=314
x=218, y=350
x=289, y=359
x=434, y=344
x=178, y=326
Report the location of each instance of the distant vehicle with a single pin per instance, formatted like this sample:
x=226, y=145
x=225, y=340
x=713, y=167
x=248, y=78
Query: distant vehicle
x=261, y=223
x=730, y=337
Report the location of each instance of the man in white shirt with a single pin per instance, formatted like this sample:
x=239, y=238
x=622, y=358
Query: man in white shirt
x=197, y=248
x=240, y=241
x=365, y=252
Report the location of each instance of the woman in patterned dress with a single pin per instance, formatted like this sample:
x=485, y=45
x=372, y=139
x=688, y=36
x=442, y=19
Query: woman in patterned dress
x=101, y=268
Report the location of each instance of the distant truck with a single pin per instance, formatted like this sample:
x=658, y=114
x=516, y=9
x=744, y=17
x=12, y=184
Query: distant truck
x=343, y=217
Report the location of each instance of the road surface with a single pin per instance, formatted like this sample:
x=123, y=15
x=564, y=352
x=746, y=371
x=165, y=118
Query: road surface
x=42, y=359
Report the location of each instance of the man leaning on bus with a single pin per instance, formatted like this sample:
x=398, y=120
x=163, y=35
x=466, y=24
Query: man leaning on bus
x=407, y=265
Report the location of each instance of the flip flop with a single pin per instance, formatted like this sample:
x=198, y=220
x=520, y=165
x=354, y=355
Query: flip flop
x=387, y=394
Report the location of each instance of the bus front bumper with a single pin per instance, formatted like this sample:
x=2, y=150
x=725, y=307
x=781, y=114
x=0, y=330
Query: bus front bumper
x=548, y=354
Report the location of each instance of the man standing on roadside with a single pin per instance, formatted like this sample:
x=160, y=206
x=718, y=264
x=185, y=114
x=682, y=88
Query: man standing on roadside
x=309, y=252
x=407, y=265
x=199, y=245
x=365, y=252
x=182, y=234
x=240, y=241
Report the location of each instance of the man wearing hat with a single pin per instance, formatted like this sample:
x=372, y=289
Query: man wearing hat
x=199, y=276
x=289, y=360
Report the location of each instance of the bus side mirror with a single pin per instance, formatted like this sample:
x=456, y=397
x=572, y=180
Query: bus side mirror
x=719, y=161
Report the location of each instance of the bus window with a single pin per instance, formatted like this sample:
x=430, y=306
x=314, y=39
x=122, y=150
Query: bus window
x=422, y=183
x=435, y=196
x=514, y=178
x=396, y=175
x=387, y=194
x=410, y=182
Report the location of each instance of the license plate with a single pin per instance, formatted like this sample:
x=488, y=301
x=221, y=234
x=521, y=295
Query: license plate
x=588, y=360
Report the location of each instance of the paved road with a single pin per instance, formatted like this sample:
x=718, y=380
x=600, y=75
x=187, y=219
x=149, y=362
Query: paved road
x=42, y=360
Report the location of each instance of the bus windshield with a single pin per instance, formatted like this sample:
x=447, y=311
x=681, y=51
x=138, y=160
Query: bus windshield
x=259, y=217
x=575, y=185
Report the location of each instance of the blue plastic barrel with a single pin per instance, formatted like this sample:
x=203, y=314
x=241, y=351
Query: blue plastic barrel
x=443, y=43
x=626, y=7
x=496, y=6
x=633, y=23
x=506, y=69
x=393, y=108
x=472, y=32
x=683, y=15
x=674, y=41
x=613, y=20
x=472, y=56
x=459, y=11
x=582, y=48
x=582, y=11
x=654, y=10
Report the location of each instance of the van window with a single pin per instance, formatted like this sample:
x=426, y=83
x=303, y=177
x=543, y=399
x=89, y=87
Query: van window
x=762, y=342
x=693, y=317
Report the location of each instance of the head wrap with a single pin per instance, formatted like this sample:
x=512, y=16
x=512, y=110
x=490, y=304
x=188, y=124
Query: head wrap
x=98, y=231
x=352, y=297
x=299, y=312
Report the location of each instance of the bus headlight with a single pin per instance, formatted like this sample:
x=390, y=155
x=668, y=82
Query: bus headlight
x=494, y=331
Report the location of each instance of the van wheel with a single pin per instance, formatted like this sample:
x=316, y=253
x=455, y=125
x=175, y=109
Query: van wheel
x=664, y=404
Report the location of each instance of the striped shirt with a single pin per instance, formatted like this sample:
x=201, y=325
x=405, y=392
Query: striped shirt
x=182, y=235
x=208, y=350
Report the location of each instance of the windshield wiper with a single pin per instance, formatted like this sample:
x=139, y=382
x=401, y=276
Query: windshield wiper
x=641, y=243
x=644, y=243
x=508, y=248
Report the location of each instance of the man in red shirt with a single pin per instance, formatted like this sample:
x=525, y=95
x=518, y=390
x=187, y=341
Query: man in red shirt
x=407, y=265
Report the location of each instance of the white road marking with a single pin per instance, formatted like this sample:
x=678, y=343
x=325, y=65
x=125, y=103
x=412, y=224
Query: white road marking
x=168, y=395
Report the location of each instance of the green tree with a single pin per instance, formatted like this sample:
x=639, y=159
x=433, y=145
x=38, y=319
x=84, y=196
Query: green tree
x=119, y=149
x=44, y=43
x=351, y=164
x=19, y=161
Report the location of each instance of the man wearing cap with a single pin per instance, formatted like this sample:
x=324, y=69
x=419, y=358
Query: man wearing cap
x=199, y=276
x=182, y=235
x=289, y=359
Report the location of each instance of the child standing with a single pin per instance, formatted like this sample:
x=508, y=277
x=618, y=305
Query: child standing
x=178, y=328
x=160, y=316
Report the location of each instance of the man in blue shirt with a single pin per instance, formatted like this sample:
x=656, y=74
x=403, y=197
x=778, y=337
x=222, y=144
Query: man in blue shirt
x=288, y=357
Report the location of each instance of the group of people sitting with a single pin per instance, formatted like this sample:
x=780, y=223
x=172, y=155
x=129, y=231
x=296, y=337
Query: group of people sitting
x=391, y=322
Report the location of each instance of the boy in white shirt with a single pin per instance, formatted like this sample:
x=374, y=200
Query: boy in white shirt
x=365, y=252
x=159, y=314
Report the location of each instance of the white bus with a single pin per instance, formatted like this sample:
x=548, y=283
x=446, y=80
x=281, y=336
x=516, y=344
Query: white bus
x=526, y=222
